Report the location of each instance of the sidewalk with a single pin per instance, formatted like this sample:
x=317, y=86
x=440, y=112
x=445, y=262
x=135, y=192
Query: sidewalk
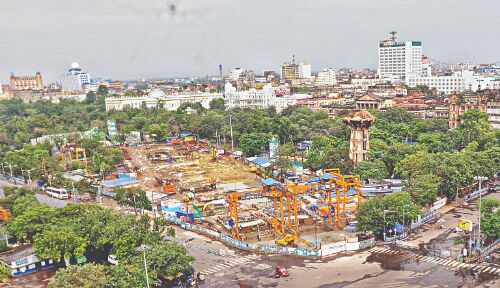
x=427, y=232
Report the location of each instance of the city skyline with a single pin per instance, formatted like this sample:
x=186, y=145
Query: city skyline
x=158, y=39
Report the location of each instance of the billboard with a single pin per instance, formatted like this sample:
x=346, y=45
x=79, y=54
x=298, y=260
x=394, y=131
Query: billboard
x=465, y=224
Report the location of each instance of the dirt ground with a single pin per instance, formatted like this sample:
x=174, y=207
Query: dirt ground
x=194, y=170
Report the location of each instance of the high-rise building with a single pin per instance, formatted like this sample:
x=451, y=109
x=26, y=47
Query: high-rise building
x=304, y=70
x=399, y=60
x=326, y=77
x=74, y=79
x=289, y=71
x=26, y=82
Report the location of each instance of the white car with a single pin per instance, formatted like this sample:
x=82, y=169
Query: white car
x=112, y=259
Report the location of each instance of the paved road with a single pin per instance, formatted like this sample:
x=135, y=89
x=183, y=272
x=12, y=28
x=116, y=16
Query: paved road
x=373, y=268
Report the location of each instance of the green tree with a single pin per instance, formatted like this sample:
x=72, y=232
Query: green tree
x=134, y=197
x=59, y=243
x=490, y=217
x=398, y=205
x=86, y=276
x=423, y=189
x=217, y=104
x=373, y=169
x=253, y=143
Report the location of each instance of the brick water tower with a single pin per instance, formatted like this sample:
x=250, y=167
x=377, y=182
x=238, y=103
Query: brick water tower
x=359, y=121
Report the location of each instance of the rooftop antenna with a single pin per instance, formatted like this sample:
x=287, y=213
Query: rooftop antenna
x=293, y=58
x=393, y=33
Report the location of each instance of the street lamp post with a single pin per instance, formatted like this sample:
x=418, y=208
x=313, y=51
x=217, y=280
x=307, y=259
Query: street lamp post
x=385, y=224
x=404, y=226
x=480, y=179
x=143, y=248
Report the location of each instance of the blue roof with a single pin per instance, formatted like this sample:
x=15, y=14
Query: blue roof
x=269, y=181
x=324, y=177
x=261, y=160
x=119, y=182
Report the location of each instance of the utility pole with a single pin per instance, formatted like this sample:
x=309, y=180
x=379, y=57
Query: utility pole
x=231, y=127
x=480, y=179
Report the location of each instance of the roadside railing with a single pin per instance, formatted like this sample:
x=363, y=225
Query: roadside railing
x=488, y=249
x=323, y=250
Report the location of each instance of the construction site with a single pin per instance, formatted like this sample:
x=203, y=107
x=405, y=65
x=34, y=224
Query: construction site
x=224, y=192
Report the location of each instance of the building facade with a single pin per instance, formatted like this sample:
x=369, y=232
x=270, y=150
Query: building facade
x=327, y=77
x=258, y=99
x=74, y=79
x=289, y=71
x=26, y=82
x=458, y=82
x=459, y=104
x=158, y=99
x=399, y=60
x=493, y=110
x=305, y=70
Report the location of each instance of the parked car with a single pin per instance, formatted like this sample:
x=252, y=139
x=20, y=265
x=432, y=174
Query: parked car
x=112, y=259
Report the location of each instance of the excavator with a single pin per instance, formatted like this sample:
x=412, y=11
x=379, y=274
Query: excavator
x=167, y=186
x=289, y=239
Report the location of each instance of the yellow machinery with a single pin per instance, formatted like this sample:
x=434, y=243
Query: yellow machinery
x=233, y=197
x=79, y=155
x=342, y=183
x=287, y=240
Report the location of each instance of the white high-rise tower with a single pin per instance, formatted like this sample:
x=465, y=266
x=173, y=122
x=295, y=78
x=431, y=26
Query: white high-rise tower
x=399, y=60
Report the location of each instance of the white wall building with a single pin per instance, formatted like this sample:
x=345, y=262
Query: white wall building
x=458, y=82
x=399, y=59
x=235, y=73
x=74, y=79
x=304, y=70
x=364, y=83
x=493, y=110
x=326, y=77
x=258, y=99
x=158, y=98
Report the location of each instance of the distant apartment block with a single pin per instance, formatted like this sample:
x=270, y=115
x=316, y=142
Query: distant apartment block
x=399, y=60
x=327, y=77
x=493, y=110
x=289, y=71
x=26, y=82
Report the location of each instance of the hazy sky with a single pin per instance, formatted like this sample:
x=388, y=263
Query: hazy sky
x=133, y=39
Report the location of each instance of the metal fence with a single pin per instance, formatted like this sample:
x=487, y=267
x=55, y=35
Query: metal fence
x=475, y=194
x=487, y=250
x=325, y=250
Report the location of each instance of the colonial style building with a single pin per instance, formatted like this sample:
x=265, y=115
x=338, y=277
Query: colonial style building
x=26, y=82
x=459, y=104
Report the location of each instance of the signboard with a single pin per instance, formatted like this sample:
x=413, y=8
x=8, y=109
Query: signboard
x=465, y=224
x=112, y=128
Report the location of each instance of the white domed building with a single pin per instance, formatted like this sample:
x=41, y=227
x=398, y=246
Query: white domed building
x=74, y=79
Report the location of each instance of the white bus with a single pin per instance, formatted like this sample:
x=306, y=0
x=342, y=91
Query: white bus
x=59, y=193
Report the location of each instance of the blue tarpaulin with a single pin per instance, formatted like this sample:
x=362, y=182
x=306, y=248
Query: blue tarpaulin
x=324, y=177
x=269, y=181
x=399, y=228
x=261, y=161
x=119, y=182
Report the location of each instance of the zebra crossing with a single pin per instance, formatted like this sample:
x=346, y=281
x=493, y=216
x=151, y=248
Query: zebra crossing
x=236, y=261
x=478, y=267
